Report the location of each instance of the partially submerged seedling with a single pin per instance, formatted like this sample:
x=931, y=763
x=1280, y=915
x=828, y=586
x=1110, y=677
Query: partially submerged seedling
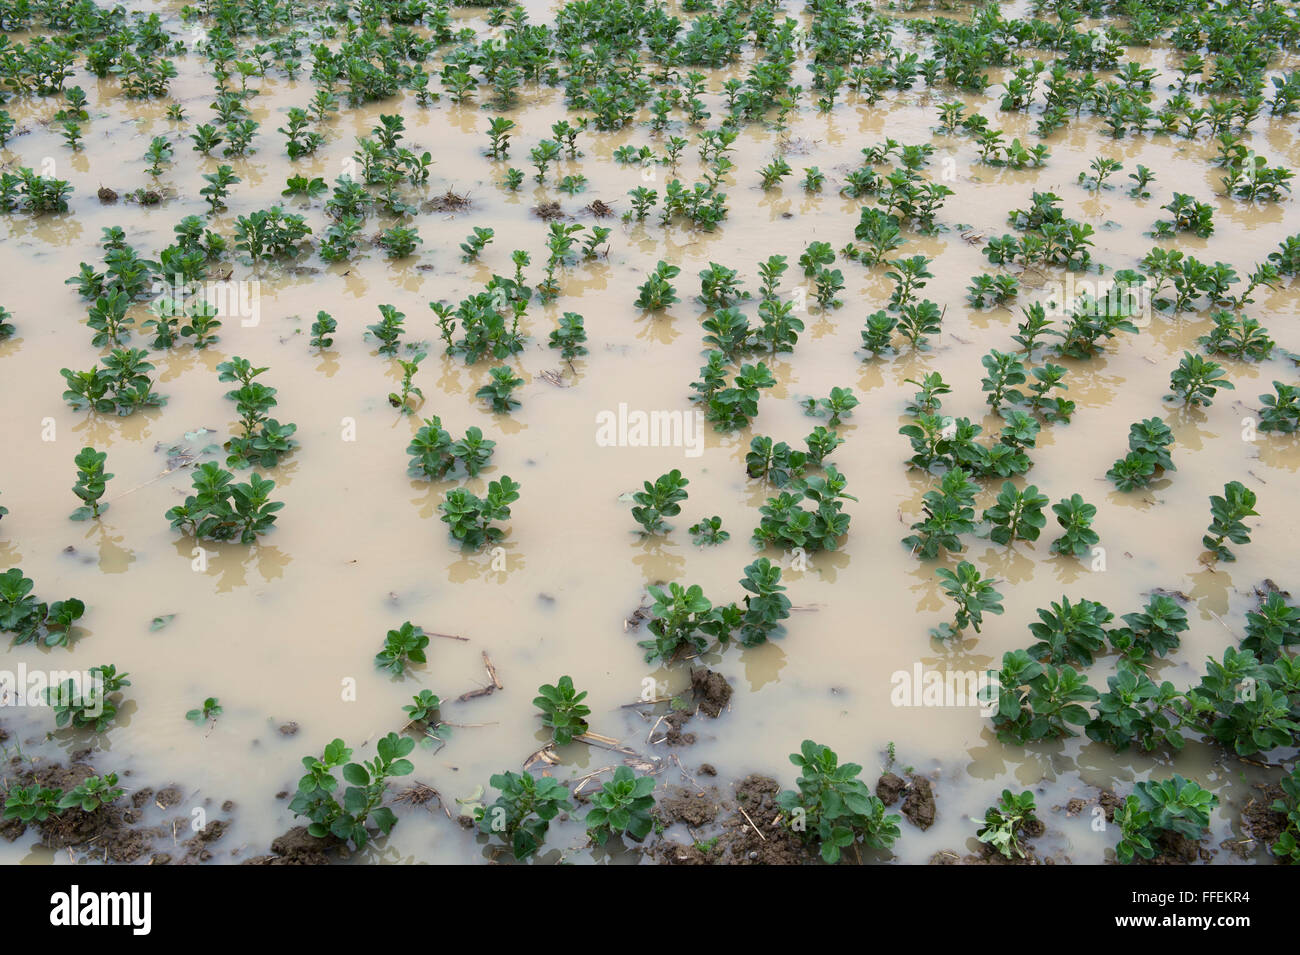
x=91, y=483
x=523, y=811
x=1008, y=822
x=402, y=647
x=210, y=710
x=622, y=807
x=1228, y=513
x=659, y=500
x=562, y=710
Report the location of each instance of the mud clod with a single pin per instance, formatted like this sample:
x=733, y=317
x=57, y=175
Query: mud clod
x=919, y=805
x=711, y=691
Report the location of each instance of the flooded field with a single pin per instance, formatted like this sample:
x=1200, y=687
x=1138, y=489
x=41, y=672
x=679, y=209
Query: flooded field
x=282, y=632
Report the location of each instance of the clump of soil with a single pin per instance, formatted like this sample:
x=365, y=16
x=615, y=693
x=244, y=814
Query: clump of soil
x=548, y=210
x=297, y=847
x=919, y=805
x=890, y=788
x=449, y=201
x=106, y=194
x=675, y=720
x=145, y=197
x=751, y=834
x=1263, y=824
x=711, y=690
x=695, y=809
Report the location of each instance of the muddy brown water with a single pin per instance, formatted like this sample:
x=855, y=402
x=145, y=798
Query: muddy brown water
x=286, y=630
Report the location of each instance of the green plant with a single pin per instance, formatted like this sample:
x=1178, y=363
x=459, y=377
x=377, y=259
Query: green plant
x=91, y=483
x=34, y=803
x=220, y=510
x=470, y=518
x=1135, y=710
x=322, y=330
x=389, y=329
x=1151, y=632
x=659, y=500
x=402, y=399
x=1196, y=381
x=709, y=531
x=839, y=405
x=1075, y=518
x=1070, y=633
x=1036, y=701
x=1287, y=845
x=523, y=811
x=1281, y=411
x=832, y=807
x=1227, y=513
x=948, y=513
x=210, y=710
x=622, y=807
x=1175, y=806
x=400, y=241
x=1009, y=821
x=570, y=336
x=475, y=243
x=562, y=710
x=658, y=293
x=1272, y=627
x=362, y=804
x=974, y=596
x=423, y=708
x=402, y=647
x=94, y=706
x=122, y=386
x=681, y=617
x=1017, y=515
x=497, y=392
x=92, y=793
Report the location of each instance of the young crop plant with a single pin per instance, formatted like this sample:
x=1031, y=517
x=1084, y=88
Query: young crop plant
x=785, y=523
x=832, y=808
x=658, y=293
x=1037, y=701
x=1135, y=711
x=570, y=337
x=709, y=531
x=31, y=804
x=469, y=518
x=1281, y=410
x=28, y=619
x=765, y=604
x=563, y=710
x=389, y=329
x=1153, y=631
x=1196, y=381
x=362, y=806
x=221, y=510
x=121, y=386
x=93, y=707
x=499, y=390
x=523, y=811
x=622, y=807
x=1075, y=518
x=1008, y=823
x=1070, y=633
x=323, y=330
x=209, y=710
x=949, y=512
x=92, y=794
x=1287, y=845
x=1016, y=515
x=91, y=483
x=973, y=596
x=1271, y=628
x=839, y=405
x=403, y=399
x=1159, y=809
x=475, y=243
x=659, y=500
x=402, y=647
x=1228, y=513
x=1148, y=455
x=681, y=618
